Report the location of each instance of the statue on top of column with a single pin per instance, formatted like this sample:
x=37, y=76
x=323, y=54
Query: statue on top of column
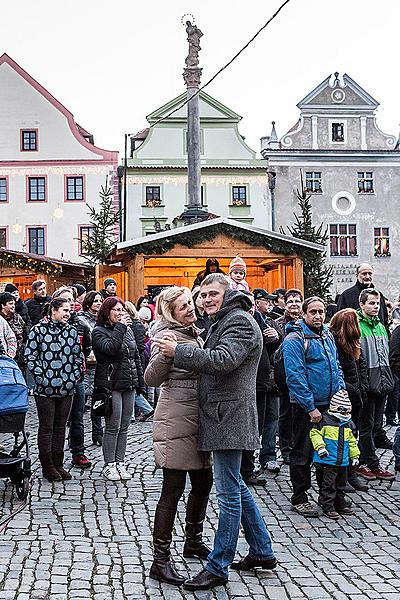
x=193, y=36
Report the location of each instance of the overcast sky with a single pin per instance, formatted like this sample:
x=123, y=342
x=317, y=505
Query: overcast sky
x=112, y=63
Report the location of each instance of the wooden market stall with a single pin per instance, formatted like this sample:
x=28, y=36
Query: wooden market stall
x=22, y=269
x=175, y=257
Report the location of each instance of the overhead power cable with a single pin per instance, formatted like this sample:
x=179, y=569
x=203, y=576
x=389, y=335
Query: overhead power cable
x=225, y=66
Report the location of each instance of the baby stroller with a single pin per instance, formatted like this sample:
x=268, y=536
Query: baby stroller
x=13, y=408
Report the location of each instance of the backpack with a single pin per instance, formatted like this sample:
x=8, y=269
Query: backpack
x=279, y=364
x=13, y=389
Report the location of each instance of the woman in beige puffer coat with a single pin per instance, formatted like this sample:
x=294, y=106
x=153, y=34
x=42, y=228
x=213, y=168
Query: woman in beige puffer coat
x=175, y=436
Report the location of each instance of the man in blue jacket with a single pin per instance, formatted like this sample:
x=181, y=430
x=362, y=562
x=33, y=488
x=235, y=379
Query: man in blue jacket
x=313, y=375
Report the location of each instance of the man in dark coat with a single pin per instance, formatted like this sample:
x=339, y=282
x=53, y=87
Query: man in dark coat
x=266, y=393
x=110, y=288
x=36, y=304
x=228, y=425
x=349, y=298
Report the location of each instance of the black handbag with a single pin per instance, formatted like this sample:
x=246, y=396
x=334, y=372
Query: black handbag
x=102, y=402
x=102, y=398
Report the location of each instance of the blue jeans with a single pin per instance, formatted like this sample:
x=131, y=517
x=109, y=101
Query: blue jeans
x=76, y=430
x=396, y=447
x=142, y=404
x=268, y=437
x=236, y=505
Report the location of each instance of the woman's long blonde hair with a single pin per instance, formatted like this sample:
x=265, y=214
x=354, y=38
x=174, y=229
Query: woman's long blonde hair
x=166, y=300
x=131, y=310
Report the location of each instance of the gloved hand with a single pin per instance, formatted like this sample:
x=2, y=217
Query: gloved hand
x=355, y=462
x=323, y=452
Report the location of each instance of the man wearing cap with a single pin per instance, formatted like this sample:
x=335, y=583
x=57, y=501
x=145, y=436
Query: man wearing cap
x=349, y=298
x=110, y=288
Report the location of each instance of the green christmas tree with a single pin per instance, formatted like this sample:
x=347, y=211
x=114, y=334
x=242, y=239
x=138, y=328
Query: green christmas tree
x=318, y=275
x=98, y=245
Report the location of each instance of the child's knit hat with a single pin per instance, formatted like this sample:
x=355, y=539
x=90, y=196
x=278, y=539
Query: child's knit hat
x=340, y=405
x=237, y=264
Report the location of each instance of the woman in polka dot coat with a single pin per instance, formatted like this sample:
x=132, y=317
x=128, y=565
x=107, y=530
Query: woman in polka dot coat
x=54, y=357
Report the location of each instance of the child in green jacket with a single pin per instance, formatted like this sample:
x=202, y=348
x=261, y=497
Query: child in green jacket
x=335, y=448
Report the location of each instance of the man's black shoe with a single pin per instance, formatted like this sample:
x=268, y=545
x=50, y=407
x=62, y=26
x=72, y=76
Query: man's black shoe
x=204, y=581
x=356, y=484
x=255, y=479
x=248, y=564
x=384, y=443
x=391, y=422
x=97, y=440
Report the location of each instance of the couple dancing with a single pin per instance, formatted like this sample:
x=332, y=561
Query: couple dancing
x=207, y=404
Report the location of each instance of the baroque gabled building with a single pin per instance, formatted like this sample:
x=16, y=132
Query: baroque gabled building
x=234, y=182
x=352, y=171
x=49, y=169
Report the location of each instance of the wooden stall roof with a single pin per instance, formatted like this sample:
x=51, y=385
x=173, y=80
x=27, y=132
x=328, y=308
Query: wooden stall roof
x=182, y=235
x=63, y=265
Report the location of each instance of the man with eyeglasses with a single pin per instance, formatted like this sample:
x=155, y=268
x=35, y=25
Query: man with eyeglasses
x=349, y=298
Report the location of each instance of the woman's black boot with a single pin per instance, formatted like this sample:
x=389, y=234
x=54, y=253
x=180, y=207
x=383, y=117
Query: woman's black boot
x=195, y=515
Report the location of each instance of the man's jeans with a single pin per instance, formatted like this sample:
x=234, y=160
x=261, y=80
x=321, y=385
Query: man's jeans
x=142, y=404
x=268, y=437
x=236, y=505
x=76, y=429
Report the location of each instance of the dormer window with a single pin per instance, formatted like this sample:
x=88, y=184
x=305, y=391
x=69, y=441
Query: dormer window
x=29, y=140
x=338, y=132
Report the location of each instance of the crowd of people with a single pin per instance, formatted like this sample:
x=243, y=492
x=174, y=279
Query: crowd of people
x=237, y=382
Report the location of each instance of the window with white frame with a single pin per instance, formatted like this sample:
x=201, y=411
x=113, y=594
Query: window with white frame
x=85, y=233
x=36, y=240
x=3, y=189
x=381, y=241
x=365, y=182
x=343, y=239
x=314, y=182
x=3, y=237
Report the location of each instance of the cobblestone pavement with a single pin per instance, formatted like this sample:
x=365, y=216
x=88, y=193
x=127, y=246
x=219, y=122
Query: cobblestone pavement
x=91, y=539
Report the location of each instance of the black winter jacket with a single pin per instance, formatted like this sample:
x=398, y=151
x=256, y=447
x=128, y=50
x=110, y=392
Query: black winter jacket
x=118, y=361
x=22, y=310
x=265, y=373
x=140, y=333
x=35, y=308
x=349, y=299
x=394, y=352
x=355, y=375
x=83, y=331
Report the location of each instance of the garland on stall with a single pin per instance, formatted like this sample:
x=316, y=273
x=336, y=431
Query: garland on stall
x=27, y=263
x=191, y=238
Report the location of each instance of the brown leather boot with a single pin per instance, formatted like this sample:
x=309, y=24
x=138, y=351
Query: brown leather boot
x=58, y=459
x=163, y=569
x=195, y=514
x=49, y=472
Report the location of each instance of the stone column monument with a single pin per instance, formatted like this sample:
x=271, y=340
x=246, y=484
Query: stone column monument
x=191, y=75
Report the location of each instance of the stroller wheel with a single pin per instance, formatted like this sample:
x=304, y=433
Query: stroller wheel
x=22, y=488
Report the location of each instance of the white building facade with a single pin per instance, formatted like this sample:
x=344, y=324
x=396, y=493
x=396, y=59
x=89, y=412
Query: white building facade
x=352, y=171
x=49, y=169
x=234, y=182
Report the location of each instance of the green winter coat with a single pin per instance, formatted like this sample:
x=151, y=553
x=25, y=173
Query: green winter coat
x=375, y=350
